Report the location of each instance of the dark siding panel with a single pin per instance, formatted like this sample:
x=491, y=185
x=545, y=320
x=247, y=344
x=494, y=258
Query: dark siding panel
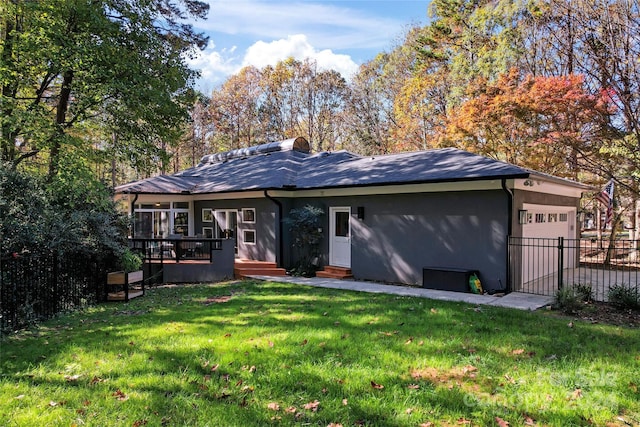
x=265, y=226
x=402, y=234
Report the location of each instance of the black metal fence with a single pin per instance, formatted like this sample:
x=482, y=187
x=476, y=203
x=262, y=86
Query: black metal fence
x=542, y=266
x=37, y=286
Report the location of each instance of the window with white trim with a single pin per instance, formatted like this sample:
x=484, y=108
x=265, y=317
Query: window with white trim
x=207, y=232
x=249, y=237
x=248, y=215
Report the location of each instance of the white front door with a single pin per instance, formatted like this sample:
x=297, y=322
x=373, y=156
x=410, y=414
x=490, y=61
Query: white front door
x=340, y=236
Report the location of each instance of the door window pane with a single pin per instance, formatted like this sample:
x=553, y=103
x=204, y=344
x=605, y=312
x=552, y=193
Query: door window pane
x=161, y=224
x=342, y=224
x=181, y=223
x=143, y=225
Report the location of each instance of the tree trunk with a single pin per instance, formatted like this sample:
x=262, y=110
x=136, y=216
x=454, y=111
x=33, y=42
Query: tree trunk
x=9, y=89
x=61, y=117
x=612, y=238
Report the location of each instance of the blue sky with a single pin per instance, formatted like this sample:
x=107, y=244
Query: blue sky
x=338, y=34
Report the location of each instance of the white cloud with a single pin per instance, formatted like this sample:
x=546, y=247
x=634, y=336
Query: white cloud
x=261, y=54
x=216, y=65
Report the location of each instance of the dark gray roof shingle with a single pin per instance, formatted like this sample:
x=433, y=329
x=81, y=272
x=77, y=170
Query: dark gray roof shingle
x=291, y=169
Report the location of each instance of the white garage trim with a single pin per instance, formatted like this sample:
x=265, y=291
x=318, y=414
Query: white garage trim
x=545, y=225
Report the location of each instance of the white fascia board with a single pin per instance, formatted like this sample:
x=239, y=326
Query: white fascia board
x=538, y=185
x=532, y=184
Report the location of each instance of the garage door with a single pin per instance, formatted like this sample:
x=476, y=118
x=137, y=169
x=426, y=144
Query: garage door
x=544, y=225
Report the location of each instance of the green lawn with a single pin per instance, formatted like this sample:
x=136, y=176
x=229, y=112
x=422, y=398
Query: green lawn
x=260, y=353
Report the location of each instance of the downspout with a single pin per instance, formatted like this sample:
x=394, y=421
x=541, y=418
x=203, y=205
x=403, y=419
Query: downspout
x=133, y=209
x=280, y=232
x=509, y=193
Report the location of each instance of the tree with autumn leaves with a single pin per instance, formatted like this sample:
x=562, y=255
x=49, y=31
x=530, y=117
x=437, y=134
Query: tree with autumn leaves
x=549, y=124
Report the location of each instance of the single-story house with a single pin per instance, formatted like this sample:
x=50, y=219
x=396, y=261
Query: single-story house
x=387, y=217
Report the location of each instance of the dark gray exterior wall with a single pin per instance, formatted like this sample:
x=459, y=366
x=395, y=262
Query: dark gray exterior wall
x=220, y=269
x=402, y=234
x=265, y=226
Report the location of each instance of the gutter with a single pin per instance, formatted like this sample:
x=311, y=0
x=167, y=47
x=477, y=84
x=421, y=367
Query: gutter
x=280, y=231
x=509, y=194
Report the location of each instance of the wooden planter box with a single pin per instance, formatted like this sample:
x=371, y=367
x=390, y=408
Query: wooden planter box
x=118, y=277
x=122, y=280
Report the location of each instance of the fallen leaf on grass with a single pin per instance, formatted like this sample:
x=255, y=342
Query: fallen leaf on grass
x=409, y=341
x=96, y=380
x=19, y=397
x=577, y=393
x=334, y=425
x=313, y=406
x=273, y=406
x=501, y=422
x=215, y=367
x=376, y=386
x=413, y=386
x=427, y=424
x=139, y=423
x=469, y=368
x=463, y=420
x=304, y=342
x=517, y=351
x=217, y=300
x=345, y=402
x=528, y=421
x=119, y=395
x=291, y=410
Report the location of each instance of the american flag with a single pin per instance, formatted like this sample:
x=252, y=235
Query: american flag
x=606, y=198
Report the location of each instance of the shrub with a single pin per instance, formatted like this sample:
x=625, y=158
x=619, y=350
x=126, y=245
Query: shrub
x=572, y=298
x=304, y=224
x=130, y=261
x=624, y=296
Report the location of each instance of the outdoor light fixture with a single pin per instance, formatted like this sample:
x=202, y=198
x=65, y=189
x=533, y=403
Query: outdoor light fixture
x=523, y=216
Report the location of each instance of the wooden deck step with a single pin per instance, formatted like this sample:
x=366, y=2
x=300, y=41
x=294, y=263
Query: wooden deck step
x=332, y=272
x=119, y=296
x=243, y=268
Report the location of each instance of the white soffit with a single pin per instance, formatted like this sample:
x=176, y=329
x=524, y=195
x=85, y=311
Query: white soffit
x=539, y=185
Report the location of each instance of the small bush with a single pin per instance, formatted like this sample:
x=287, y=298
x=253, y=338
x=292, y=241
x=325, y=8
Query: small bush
x=130, y=261
x=624, y=296
x=584, y=292
x=572, y=298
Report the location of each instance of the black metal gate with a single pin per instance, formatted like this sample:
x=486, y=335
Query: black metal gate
x=542, y=265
